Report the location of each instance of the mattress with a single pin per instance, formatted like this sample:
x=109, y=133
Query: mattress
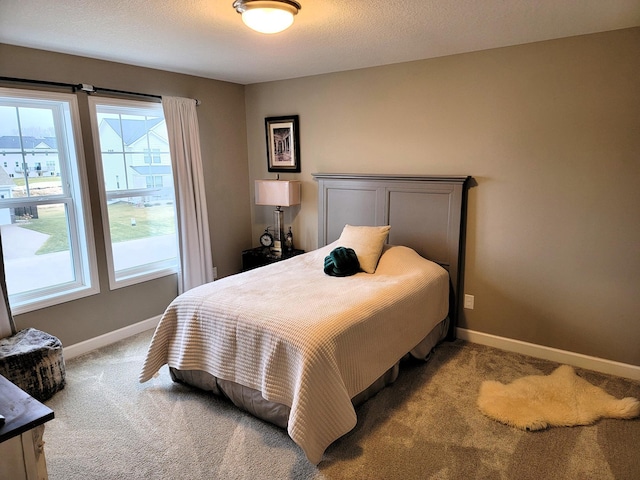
x=303, y=339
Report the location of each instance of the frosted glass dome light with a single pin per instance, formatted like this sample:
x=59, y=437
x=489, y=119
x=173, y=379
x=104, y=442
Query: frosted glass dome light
x=267, y=16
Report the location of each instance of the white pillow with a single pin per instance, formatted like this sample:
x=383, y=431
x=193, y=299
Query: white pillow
x=367, y=242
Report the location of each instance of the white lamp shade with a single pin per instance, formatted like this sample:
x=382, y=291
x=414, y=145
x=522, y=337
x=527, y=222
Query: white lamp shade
x=278, y=193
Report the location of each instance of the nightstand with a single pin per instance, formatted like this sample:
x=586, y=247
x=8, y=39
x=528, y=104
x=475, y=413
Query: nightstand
x=257, y=257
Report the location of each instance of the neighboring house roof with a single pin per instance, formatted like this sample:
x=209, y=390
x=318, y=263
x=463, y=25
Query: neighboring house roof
x=51, y=141
x=13, y=142
x=132, y=130
x=153, y=169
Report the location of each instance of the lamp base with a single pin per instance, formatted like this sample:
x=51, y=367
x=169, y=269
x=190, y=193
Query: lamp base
x=278, y=236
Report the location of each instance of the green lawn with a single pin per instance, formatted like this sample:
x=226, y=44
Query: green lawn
x=20, y=182
x=149, y=221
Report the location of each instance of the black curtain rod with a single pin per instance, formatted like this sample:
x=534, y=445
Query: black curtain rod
x=40, y=82
x=91, y=89
x=82, y=87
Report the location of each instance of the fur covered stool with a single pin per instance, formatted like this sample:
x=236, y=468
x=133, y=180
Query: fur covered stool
x=33, y=361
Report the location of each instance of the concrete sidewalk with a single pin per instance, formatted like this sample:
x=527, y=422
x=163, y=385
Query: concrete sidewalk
x=26, y=271
x=21, y=242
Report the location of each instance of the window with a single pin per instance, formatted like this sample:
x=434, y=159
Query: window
x=154, y=181
x=137, y=192
x=44, y=219
x=153, y=156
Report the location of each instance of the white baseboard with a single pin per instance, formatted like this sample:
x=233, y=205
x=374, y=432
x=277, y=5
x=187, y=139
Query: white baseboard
x=108, y=338
x=547, y=353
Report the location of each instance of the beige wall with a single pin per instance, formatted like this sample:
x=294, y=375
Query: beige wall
x=551, y=133
x=223, y=137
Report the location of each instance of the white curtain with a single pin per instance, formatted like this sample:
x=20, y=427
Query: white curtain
x=7, y=327
x=193, y=225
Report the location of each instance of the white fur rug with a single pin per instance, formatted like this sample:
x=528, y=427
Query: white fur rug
x=560, y=399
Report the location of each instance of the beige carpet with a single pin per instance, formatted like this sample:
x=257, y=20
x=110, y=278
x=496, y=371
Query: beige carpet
x=425, y=426
x=561, y=399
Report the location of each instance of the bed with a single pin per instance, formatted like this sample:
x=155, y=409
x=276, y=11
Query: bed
x=302, y=355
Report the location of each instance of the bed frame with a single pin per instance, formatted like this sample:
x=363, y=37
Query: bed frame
x=426, y=213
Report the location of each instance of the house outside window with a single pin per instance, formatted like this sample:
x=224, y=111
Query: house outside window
x=45, y=222
x=136, y=190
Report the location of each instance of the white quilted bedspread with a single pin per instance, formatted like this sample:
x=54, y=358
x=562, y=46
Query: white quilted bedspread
x=303, y=338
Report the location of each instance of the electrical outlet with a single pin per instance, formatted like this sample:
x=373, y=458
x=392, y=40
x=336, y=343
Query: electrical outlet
x=469, y=301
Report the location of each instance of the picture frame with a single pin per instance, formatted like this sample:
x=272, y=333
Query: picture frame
x=283, y=143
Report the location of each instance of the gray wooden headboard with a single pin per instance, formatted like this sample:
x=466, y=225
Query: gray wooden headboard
x=426, y=213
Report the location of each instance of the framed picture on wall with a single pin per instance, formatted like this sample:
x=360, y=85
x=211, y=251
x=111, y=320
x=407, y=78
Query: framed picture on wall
x=283, y=144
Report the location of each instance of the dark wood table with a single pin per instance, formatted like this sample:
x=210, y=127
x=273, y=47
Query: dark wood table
x=21, y=411
x=21, y=457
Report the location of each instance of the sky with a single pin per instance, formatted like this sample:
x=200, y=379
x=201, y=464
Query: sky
x=34, y=121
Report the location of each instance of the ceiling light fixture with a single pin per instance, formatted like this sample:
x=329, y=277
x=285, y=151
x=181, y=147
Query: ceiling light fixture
x=267, y=16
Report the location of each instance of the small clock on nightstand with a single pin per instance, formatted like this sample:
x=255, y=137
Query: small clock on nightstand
x=266, y=239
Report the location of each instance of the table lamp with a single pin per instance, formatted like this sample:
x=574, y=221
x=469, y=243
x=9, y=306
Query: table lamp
x=278, y=193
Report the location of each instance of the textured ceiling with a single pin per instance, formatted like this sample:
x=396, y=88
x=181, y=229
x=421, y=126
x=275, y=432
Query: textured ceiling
x=207, y=37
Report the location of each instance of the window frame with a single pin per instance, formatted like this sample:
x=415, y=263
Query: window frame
x=135, y=275
x=75, y=198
